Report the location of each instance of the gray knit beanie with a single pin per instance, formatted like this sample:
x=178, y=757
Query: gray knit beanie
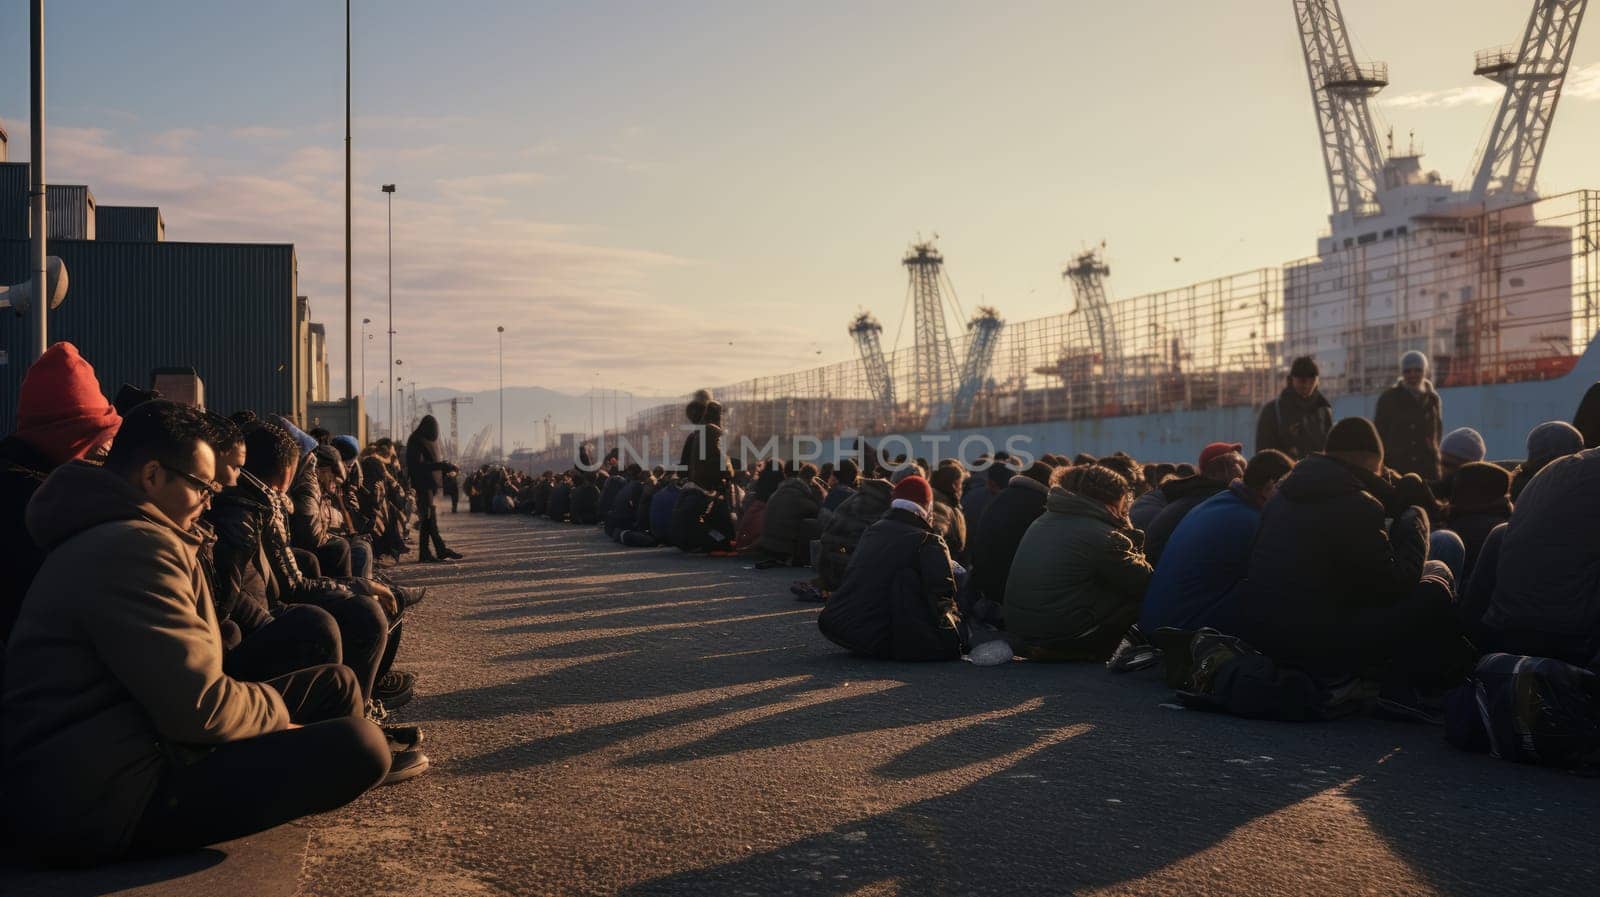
x=1551, y=440
x=1463, y=444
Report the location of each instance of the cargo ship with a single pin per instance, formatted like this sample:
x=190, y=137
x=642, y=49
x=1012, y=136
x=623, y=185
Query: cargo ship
x=1498, y=285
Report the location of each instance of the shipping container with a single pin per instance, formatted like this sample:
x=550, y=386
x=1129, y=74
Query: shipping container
x=226, y=310
x=129, y=224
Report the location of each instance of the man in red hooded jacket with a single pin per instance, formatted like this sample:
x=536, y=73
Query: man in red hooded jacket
x=61, y=416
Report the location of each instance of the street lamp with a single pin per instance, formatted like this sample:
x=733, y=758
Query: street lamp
x=364, y=338
x=502, y=351
x=388, y=191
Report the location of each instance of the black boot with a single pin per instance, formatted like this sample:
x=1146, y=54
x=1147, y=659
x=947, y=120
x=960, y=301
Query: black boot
x=424, y=548
x=439, y=548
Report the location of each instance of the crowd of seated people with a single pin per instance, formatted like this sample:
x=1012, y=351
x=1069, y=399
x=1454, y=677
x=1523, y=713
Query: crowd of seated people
x=1370, y=587
x=198, y=642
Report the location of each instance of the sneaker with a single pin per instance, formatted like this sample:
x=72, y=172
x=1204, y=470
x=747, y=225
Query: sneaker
x=1131, y=657
x=376, y=712
x=403, y=738
x=450, y=554
x=406, y=765
x=810, y=593
x=394, y=688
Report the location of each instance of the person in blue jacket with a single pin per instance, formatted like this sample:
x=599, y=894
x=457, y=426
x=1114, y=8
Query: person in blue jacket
x=1209, y=552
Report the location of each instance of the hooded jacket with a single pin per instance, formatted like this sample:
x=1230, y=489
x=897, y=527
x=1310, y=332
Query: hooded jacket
x=1410, y=426
x=1548, y=580
x=897, y=600
x=1010, y=513
x=1322, y=557
x=1295, y=426
x=423, y=462
x=1076, y=568
x=845, y=525
x=116, y=662
x=948, y=521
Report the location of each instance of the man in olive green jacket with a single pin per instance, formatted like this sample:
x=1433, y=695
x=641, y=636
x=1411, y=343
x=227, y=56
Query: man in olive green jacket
x=1079, y=574
x=122, y=733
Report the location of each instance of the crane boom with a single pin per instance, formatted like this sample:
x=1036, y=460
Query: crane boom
x=1533, y=75
x=1340, y=88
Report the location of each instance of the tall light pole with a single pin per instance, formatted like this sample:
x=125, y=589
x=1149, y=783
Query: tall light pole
x=388, y=190
x=364, y=338
x=36, y=190
x=394, y=422
x=349, y=350
x=501, y=331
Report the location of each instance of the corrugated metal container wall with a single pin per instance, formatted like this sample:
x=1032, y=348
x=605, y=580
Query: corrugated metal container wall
x=13, y=201
x=70, y=211
x=227, y=310
x=129, y=224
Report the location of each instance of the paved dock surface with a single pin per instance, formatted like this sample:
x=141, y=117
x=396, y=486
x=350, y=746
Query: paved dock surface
x=607, y=720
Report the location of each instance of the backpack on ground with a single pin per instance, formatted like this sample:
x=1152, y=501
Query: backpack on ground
x=1529, y=710
x=1222, y=673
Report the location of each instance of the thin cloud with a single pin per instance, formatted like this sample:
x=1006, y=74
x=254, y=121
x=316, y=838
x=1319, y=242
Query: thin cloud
x=479, y=183
x=259, y=132
x=1583, y=83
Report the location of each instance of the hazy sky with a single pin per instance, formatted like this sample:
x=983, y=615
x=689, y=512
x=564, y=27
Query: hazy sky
x=629, y=187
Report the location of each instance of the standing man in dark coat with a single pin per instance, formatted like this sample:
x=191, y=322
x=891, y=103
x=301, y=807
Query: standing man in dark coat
x=427, y=470
x=1298, y=420
x=1410, y=420
x=1010, y=513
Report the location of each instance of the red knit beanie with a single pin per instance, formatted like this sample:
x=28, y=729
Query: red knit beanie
x=61, y=411
x=914, y=489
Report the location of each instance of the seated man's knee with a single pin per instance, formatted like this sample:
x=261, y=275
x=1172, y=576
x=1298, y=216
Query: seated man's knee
x=316, y=630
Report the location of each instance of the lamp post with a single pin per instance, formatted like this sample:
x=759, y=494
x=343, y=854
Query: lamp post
x=349, y=350
x=36, y=190
x=388, y=190
x=394, y=422
x=501, y=331
x=364, y=338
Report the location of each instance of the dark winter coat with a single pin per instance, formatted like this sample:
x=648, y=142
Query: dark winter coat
x=846, y=525
x=1323, y=557
x=1295, y=426
x=1076, y=568
x=1548, y=581
x=662, y=505
x=791, y=518
x=975, y=497
x=949, y=523
x=1473, y=525
x=701, y=521
x=624, y=507
x=308, y=526
x=1010, y=513
x=1410, y=427
x=608, y=494
x=423, y=462
x=837, y=496
x=1206, y=557
x=897, y=601
x=585, y=503
x=22, y=470
x=560, y=502
x=703, y=458
x=114, y=670
x=1182, y=496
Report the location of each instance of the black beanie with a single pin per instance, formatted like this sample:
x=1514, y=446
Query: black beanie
x=1355, y=434
x=1304, y=366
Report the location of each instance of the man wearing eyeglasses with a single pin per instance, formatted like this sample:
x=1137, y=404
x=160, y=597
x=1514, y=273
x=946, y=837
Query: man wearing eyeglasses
x=122, y=733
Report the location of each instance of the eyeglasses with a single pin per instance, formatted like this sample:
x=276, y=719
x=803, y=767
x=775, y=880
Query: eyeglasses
x=206, y=488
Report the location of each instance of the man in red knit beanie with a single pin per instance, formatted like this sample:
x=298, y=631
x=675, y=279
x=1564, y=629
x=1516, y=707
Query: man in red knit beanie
x=61, y=416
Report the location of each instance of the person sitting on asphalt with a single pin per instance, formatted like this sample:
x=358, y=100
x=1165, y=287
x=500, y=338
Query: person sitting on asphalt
x=845, y=527
x=1410, y=420
x=1079, y=576
x=1010, y=513
x=1333, y=591
x=897, y=601
x=1481, y=502
x=585, y=508
x=753, y=513
x=61, y=416
x=1460, y=446
x=370, y=616
x=1297, y=422
x=948, y=521
x=1208, y=553
x=1546, y=442
x=845, y=477
x=122, y=732
x=1546, y=600
x=1220, y=464
x=987, y=479
x=625, y=504
x=790, y=519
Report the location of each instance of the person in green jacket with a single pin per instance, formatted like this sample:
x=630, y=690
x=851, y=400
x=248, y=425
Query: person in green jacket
x=1079, y=575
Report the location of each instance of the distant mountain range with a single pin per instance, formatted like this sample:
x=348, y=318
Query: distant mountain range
x=525, y=409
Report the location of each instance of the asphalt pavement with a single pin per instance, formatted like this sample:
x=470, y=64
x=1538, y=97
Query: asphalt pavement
x=607, y=720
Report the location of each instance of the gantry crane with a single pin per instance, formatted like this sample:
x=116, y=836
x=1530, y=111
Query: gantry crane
x=453, y=401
